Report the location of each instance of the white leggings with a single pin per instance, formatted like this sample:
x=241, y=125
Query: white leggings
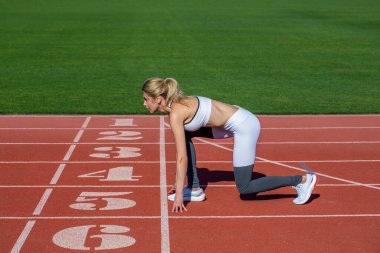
x=245, y=128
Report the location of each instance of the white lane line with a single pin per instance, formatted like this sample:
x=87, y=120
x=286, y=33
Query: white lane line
x=37, y=211
x=309, y=127
x=320, y=174
x=319, y=128
x=196, y=217
x=295, y=168
x=320, y=116
x=202, y=161
x=86, y=122
x=149, y=116
x=277, y=216
x=78, y=128
x=77, y=217
x=76, y=140
x=319, y=185
x=73, y=116
x=168, y=127
x=165, y=243
x=153, y=186
x=69, y=152
x=43, y=201
x=57, y=174
x=24, y=234
x=79, y=135
x=198, y=143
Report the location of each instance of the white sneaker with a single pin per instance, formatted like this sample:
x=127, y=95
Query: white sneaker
x=189, y=195
x=304, y=190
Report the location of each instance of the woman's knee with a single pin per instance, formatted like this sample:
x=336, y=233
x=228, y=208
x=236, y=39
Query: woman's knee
x=242, y=187
x=243, y=177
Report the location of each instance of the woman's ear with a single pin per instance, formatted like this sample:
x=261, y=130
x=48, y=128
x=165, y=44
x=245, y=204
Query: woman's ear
x=159, y=100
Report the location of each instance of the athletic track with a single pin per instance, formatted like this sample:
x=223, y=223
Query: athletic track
x=99, y=184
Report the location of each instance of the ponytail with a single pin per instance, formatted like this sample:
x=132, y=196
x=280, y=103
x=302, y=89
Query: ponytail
x=168, y=88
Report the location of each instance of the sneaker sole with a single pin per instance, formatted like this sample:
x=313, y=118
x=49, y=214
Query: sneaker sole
x=310, y=190
x=198, y=198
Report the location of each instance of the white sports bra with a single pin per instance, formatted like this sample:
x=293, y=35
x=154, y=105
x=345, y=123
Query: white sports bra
x=201, y=116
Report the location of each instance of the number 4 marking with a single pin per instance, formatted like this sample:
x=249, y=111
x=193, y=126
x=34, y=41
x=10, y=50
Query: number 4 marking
x=114, y=174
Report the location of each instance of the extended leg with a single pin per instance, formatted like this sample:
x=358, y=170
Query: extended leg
x=245, y=184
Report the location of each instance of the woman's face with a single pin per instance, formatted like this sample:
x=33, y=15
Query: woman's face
x=150, y=103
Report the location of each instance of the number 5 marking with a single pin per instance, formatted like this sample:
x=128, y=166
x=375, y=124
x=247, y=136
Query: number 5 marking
x=112, y=203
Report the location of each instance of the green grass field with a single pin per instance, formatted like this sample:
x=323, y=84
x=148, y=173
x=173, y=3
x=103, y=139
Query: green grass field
x=271, y=57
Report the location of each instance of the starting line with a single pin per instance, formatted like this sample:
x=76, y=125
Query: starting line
x=196, y=217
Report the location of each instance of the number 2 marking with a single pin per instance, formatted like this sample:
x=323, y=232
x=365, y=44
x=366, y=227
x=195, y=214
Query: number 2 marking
x=120, y=135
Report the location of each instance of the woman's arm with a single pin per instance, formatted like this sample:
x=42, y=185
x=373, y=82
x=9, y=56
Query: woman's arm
x=176, y=123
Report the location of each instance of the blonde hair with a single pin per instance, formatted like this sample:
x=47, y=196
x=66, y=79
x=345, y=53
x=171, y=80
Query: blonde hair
x=168, y=88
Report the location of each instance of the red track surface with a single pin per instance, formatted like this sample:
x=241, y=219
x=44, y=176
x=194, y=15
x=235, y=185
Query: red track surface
x=99, y=183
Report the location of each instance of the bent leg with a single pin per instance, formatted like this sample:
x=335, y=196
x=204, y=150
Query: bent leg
x=245, y=184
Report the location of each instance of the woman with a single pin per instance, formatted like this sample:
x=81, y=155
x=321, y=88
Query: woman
x=202, y=117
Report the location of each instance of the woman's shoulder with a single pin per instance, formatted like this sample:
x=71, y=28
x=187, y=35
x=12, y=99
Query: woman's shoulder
x=184, y=109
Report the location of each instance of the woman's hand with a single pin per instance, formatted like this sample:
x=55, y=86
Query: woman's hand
x=178, y=205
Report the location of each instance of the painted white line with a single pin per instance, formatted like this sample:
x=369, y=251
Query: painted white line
x=320, y=174
x=37, y=211
x=320, y=115
x=85, y=124
x=83, y=143
x=315, y=142
x=61, y=167
x=76, y=139
x=165, y=243
x=76, y=217
x=74, y=116
x=319, y=185
x=79, y=135
x=58, y=174
x=295, y=168
x=78, y=128
x=24, y=234
x=310, y=127
x=150, y=116
x=80, y=162
x=317, y=128
x=196, y=217
x=43, y=201
x=198, y=143
x=69, y=153
x=277, y=216
x=202, y=161
x=153, y=186
x=81, y=186
x=343, y=185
